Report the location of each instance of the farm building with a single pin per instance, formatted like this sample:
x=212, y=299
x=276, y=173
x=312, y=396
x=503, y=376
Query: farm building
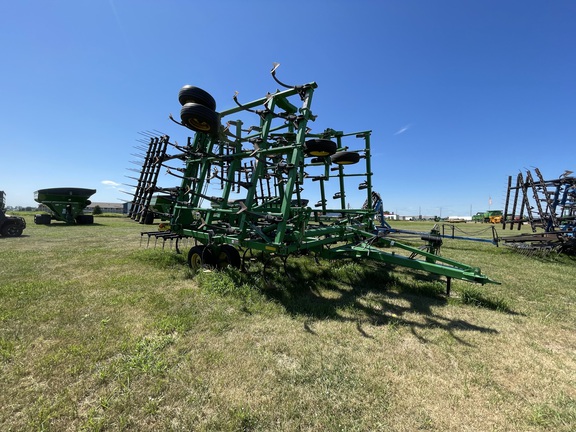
x=106, y=207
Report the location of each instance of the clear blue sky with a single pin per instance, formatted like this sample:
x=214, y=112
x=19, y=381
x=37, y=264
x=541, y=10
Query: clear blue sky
x=459, y=94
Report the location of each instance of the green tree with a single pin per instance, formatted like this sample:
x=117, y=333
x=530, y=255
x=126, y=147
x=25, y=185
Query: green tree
x=97, y=210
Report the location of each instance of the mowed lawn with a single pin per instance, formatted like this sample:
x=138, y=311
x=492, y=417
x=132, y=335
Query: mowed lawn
x=99, y=332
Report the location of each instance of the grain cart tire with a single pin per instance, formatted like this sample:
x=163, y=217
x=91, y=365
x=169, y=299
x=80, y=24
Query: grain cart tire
x=196, y=95
x=42, y=219
x=345, y=158
x=200, y=256
x=320, y=147
x=149, y=219
x=11, y=230
x=84, y=219
x=199, y=118
x=229, y=256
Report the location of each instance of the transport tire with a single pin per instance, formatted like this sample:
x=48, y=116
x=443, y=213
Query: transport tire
x=345, y=158
x=320, y=147
x=319, y=160
x=191, y=94
x=199, y=118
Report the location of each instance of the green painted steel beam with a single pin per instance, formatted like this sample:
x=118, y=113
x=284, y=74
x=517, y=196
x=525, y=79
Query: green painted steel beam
x=462, y=272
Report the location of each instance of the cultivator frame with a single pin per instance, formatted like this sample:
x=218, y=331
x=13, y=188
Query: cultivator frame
x=546, y=205
x=261, y=206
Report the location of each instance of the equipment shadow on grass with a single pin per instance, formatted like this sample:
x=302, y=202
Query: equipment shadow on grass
x=20, y=236
x=364, y=293
x=60, y=224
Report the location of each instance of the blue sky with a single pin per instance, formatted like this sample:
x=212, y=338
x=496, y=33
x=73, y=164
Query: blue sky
x=458, y=94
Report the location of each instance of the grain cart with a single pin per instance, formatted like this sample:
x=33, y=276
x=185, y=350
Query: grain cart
x=65, y=205
x=283, y=190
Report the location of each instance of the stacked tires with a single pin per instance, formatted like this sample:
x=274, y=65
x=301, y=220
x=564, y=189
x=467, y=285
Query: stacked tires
x=198, y=110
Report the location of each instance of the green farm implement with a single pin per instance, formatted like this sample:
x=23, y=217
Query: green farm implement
x=274, y=189
x=490, y=216
x=65, y=205
x=10, y=226
x=548, y=206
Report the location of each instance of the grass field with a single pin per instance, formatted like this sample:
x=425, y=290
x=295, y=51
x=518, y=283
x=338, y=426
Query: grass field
x=98, y=332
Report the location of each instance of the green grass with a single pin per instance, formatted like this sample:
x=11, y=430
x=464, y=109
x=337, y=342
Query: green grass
x=98, y=332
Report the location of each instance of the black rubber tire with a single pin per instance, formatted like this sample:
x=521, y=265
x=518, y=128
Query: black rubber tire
x=199, y=257
x=42, y=219
x=320, y=147
x=85, y=219
x=191, y=94
x=199, y=118
x=12, y=230
x=319, y=160
x=229, y=256
x=345, y=158
x=149, y=219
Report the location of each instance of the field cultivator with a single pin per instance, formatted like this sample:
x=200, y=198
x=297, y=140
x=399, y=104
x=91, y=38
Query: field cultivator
x=548, y=206
x=275, y=189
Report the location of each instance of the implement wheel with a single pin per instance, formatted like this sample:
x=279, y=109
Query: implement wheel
x=199, y=118
x=229, y=256
x=320, y=147
x=200, y=257
x=345, y=158
x=84, y=219
x=12, y=230
x=196, y=95
x=42, y=219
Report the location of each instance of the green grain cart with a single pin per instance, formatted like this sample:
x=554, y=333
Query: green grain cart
x=65, y=205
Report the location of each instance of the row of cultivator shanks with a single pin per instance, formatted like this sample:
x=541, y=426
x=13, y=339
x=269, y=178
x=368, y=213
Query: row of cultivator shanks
x=548, y=206
x=257, y=181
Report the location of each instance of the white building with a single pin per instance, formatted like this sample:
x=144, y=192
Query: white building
x=106, y=207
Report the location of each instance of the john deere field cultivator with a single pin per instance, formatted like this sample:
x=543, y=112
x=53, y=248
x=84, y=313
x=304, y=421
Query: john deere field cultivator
x=549, y=206
x=281, y=189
